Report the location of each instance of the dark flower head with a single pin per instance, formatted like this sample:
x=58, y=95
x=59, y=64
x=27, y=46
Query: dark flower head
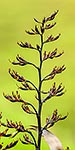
x=20, y=61
x=16, y=76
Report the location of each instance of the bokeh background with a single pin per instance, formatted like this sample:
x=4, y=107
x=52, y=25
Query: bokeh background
x=15, y=17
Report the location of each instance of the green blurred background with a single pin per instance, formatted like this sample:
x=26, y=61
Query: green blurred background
x=15, y=17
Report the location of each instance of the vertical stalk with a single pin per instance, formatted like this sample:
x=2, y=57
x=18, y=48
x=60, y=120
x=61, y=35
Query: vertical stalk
x=39, y=95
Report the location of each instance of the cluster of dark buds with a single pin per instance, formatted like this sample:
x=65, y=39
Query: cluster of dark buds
x=14, y=98
x=25, y=45
x=43, y=27
x=54, y=92
x=56, y=70
x=20, y=61
x=55, y=118
x=51, y=55
x=51, y=121
x=27, y=135
x=25, y=85
x=19, y=128
x=12, y=144
x=16, y=76
x=52, y=38
x=25, y=105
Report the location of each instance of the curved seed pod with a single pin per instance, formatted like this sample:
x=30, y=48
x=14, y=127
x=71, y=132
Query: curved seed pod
x=53, y=142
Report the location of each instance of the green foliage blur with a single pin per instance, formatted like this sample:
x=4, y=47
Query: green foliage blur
x=16, y=17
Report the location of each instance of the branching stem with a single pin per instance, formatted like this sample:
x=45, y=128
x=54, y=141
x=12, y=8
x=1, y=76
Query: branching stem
x=28, y=81
x=39, y=95
x=33, y=108
x=33, y=65
x=32, y=137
